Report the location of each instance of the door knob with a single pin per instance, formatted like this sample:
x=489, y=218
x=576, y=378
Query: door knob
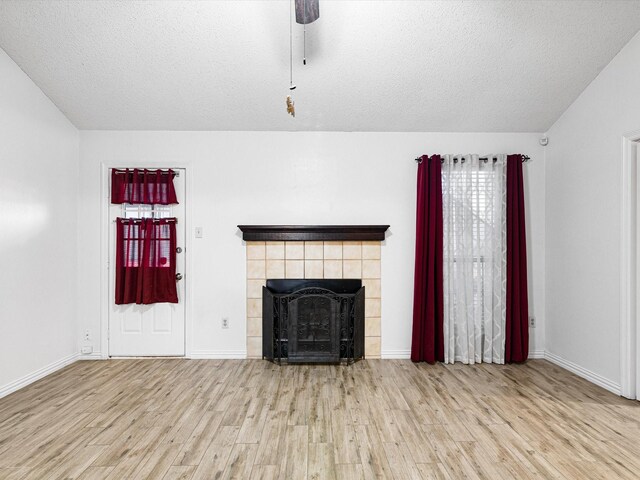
x=178, y=276
x=178, y=249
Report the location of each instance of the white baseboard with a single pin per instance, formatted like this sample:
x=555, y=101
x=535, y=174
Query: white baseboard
x=219, y=355
x=37, y=375
x=536, y=354
x=92, y=356
x=398, y=354
x=584, y=373
x=404, y=354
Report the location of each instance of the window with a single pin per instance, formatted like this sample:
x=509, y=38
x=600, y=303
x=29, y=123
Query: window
x=474, y=259
x=145, y=211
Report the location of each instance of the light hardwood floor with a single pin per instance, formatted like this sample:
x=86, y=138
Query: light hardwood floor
x=249, y=419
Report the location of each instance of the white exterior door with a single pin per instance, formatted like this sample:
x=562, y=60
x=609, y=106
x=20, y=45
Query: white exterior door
x=637, y=280
x=149, y=330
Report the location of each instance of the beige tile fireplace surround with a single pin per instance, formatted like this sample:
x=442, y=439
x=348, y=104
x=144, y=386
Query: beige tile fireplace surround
x=314, y=259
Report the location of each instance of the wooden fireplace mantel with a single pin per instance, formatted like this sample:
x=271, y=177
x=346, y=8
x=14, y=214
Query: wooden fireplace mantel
x=292, y=233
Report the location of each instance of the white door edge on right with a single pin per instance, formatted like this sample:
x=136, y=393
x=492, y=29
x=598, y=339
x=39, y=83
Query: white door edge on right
x=636, y=318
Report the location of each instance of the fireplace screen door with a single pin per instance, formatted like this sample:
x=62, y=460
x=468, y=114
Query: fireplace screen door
x=313, y=320
x=149, y=330
x=314, y=326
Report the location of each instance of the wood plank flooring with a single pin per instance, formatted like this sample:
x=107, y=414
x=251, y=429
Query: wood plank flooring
x=379, y=419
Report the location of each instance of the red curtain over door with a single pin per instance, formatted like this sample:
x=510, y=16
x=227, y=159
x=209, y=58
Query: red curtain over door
x=517, y=321
x=147, y=187
x=428, y=302
x=146, y=261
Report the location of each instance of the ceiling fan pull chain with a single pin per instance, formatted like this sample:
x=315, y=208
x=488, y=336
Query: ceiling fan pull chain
x=291, y=86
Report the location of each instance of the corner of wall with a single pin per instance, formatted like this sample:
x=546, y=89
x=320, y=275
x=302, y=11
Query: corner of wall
x=39, y=138
x=582, y=222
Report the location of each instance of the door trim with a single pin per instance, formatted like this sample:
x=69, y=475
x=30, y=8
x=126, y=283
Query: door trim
x=629, y=374
x=104, y=247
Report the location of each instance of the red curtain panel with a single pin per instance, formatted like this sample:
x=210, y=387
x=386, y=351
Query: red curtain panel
x=146, y=261
x=427, y=343
x=147, y=187
x=517, y=327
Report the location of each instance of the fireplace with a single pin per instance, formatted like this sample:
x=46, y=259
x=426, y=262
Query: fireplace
x=312, y=252
x=313, y=320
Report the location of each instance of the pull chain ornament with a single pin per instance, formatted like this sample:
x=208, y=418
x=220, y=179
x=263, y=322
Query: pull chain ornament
x=291, y=106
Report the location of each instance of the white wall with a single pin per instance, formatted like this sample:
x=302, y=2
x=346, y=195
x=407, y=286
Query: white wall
x=38, y=193
x=292, y=178
x=583, y=183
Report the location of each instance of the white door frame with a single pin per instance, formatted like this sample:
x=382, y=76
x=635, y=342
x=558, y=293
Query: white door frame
x=629, y=331
x=106, y=297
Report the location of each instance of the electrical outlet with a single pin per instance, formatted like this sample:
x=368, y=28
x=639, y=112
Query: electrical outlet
x=87, y=336
x=532, y=322
x=86, y=350
x=225, y=322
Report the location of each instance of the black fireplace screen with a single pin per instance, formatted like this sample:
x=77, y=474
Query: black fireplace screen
x=309, y=321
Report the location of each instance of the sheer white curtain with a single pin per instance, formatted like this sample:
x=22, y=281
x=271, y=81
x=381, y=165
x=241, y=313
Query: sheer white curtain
x=474, y=214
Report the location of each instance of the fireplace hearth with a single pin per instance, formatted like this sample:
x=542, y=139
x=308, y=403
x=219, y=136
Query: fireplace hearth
x=313, y=320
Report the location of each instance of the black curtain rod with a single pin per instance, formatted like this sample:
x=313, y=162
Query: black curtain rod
x=525, y=158
x=153, y=220
x=120, y=171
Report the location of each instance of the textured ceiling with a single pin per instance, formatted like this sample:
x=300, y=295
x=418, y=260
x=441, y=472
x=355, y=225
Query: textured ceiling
x=372, y=65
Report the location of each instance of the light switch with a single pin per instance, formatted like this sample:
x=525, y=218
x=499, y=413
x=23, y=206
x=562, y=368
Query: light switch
x=198, y=232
